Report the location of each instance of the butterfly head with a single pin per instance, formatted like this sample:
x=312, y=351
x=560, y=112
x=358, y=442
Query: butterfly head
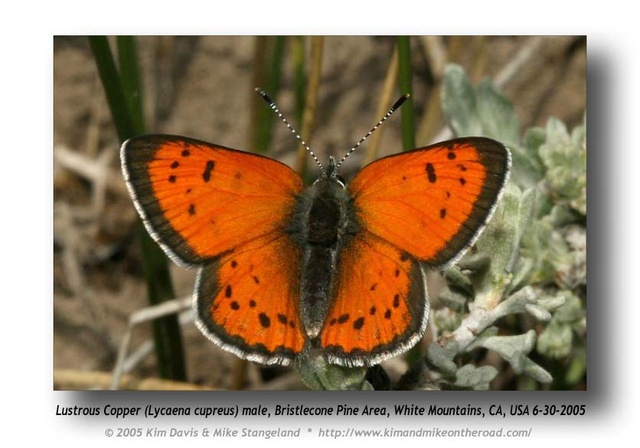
x=330, y=173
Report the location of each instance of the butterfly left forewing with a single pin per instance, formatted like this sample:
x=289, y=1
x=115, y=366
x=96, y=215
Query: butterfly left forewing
x=433, y=202
x=420, y=207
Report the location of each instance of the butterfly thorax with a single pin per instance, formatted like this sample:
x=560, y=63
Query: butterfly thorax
x=325, y=221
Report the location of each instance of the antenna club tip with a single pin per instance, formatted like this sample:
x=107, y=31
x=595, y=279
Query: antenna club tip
x=401, y=100
x=264, y=95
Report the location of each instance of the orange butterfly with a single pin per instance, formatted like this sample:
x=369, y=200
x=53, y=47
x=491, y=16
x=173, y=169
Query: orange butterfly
x=285, y=269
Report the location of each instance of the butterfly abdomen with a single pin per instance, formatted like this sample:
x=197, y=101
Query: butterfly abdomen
x=324, y=222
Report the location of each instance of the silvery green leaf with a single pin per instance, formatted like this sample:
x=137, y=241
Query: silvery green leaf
x=555, y=341
x=512, y=348
x=478, y=378
x=440, y=360
x=527, y=169
x=498, y=118
x=538, y=312
x=458, y=101
x=318, y=374
x=536, y=372
x=566, y=165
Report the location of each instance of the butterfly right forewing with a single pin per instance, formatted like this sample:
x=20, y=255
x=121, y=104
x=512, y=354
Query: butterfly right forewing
x=226, y=211
x=199, y=200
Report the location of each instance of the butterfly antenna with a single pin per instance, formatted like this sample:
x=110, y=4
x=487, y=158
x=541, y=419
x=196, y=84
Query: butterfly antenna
x=395, y=107
x=273, y=106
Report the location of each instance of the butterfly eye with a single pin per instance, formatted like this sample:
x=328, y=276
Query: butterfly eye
x=341, y=181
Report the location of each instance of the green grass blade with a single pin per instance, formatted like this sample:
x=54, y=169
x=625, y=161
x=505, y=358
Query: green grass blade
x=257, y=103
x=130, y=76
x=167, y=335
x=408, y=125
x=123, y=96
x=405, y=78
x=112, y=86
x=273, y=72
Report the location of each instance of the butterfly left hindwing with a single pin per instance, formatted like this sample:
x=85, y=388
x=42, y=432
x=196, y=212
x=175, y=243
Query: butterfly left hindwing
x=381, y=306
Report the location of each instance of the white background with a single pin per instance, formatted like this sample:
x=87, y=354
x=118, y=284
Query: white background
x=27, y=410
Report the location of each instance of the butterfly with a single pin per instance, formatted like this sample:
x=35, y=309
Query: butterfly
x=286, y=269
